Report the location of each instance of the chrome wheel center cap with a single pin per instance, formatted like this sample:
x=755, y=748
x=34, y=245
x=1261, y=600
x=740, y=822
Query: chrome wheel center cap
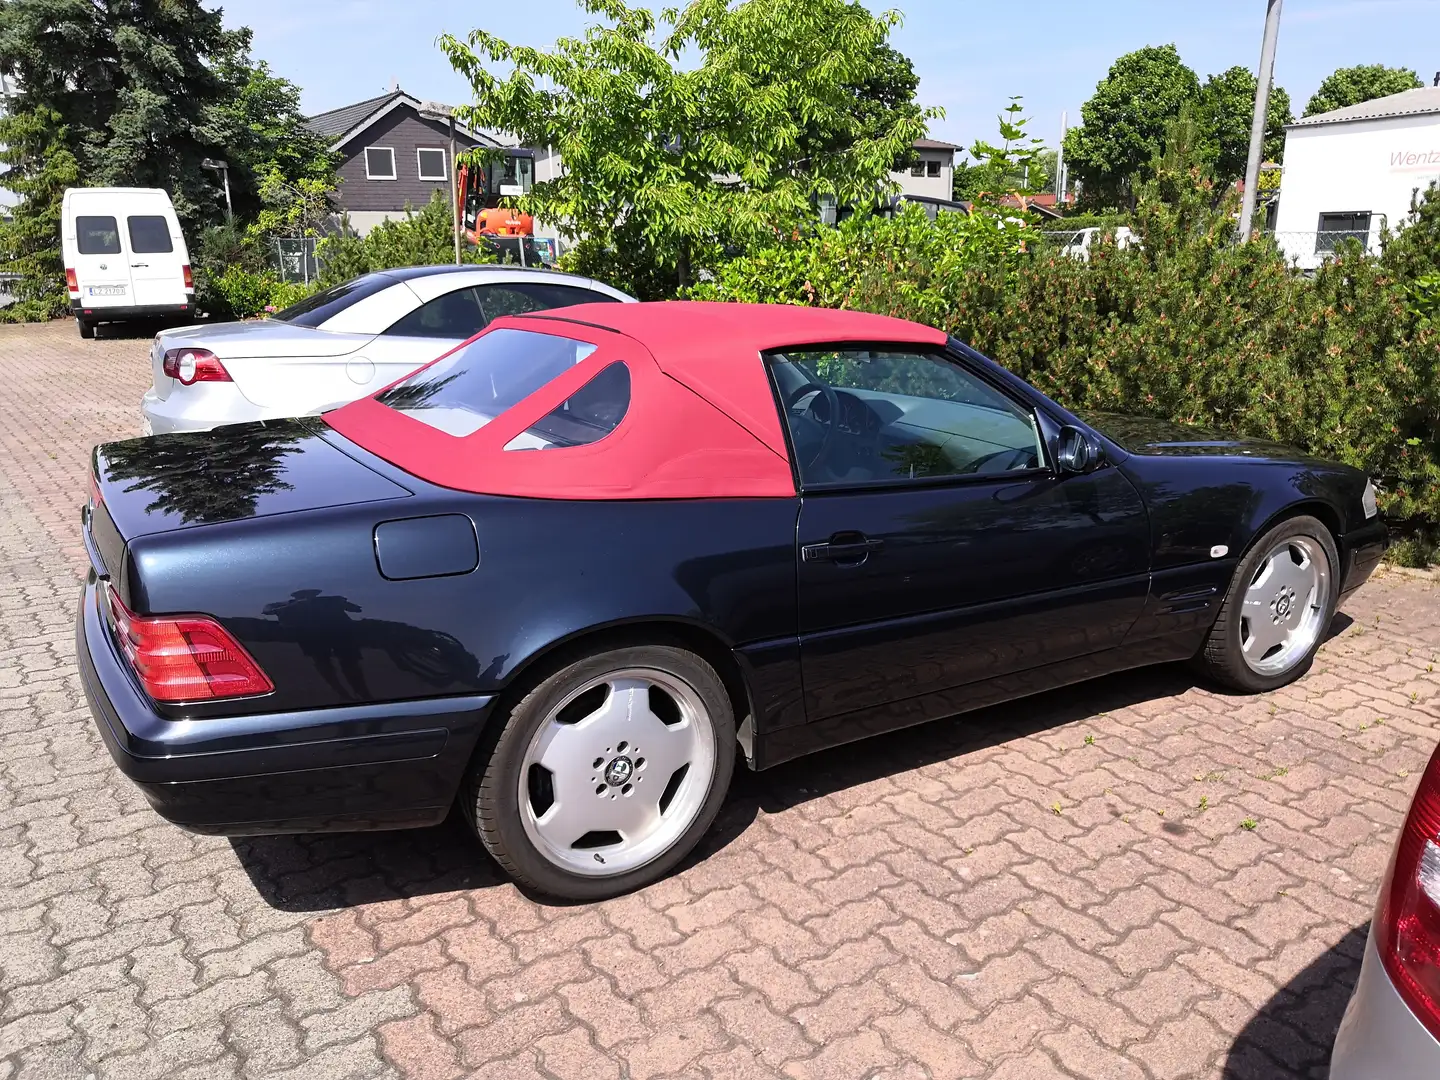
x=619, y=771
x=1283, y=603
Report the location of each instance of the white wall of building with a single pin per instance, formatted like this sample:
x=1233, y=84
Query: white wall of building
x=1364, y=165
x=934, y=187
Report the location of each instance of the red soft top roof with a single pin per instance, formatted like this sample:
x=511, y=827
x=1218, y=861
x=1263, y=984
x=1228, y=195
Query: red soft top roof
x=709, y=430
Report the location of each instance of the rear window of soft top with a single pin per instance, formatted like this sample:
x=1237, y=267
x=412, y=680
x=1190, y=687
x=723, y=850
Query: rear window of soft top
x=467, y=389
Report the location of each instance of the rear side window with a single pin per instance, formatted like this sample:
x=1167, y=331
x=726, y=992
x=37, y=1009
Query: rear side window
x=455, y=315
x=327, y=303
x=521, y=297
x=465, y=390
x=97, y=236
x=149, y=233
x=591, y=413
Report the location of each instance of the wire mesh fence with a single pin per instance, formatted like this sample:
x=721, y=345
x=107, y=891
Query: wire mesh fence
x=1309, y=249
x=295, y=258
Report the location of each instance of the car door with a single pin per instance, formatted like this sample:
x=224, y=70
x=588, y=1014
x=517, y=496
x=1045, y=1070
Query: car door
x=102, y=269
x=937, y=546
x=155, y=267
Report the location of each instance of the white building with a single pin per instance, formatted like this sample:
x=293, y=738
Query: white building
x=933, y=174
x=1352, y=172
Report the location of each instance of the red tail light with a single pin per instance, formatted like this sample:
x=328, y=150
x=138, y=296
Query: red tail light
x=184, y=657
x=1408, y=933
x=189, y=277
x=194, y=365
x=71, y=281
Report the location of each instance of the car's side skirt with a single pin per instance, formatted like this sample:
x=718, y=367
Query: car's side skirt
x=774, y=747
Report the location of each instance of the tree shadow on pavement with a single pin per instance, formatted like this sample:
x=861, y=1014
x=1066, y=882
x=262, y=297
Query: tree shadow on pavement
x=323, y=872
x=1292, y=1033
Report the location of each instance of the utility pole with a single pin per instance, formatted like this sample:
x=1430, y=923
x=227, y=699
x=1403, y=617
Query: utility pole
x=1265, y=77
x=454, y=191
x=1060, y=162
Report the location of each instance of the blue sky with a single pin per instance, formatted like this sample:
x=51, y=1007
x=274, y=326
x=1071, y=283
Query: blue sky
x=970, y=56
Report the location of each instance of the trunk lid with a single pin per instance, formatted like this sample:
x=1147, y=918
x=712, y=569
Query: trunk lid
x=170, y=482
x=268, y=360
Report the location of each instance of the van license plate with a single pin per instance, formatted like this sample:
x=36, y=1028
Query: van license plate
x=106, y=290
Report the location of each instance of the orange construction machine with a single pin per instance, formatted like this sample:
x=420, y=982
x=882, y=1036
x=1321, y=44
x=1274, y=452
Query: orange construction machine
x=481, y=189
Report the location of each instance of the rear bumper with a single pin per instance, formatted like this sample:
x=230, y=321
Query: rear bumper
x=1362, y=551
x=93, y=313
x=396, y=765
x=1379, y=1037
x=199, y=408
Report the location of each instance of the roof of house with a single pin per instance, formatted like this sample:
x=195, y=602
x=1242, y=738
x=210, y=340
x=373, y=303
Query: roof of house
x=934, y=144
x=338, y=121
x=1417, y=102
x=343, y=124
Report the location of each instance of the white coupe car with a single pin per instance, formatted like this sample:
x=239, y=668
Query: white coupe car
x=341, y=343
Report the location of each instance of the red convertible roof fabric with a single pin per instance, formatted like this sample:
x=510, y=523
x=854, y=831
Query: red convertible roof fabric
x=702, y=421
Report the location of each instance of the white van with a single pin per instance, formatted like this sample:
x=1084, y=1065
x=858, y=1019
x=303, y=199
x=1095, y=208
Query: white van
x=1078, y=247
x=125, y=257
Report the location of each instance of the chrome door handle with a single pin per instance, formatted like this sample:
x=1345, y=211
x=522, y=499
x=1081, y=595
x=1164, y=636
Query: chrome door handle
x=841, y=551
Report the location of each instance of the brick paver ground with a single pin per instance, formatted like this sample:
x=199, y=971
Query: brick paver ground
x=1137, y=878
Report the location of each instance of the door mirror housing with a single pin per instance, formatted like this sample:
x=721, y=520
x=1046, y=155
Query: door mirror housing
x=1076, y=451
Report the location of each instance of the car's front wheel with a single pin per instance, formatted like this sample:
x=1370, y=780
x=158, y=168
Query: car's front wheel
x=607, y=773
x=1277, y=609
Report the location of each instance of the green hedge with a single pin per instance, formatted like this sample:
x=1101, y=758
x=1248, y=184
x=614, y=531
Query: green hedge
x=1189, y=327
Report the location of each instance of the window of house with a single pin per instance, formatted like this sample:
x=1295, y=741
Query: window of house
x=149, y=233
x=861, y=416
x=1334, y=229
x=932, y=168
x=431, y=163
x=97, y=235
x=379, y=163
x=918, y=169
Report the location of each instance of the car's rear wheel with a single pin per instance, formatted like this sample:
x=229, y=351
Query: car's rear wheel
x=1277, y=609
x=607, y=773
x=87, y=329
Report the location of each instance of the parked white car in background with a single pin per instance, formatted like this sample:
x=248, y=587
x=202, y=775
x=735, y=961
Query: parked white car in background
x=1078, y=247
x=341, y=343
x=125, y=257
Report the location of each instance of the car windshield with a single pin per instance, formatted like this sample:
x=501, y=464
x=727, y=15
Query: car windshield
x=465, y=390
x=324, y=305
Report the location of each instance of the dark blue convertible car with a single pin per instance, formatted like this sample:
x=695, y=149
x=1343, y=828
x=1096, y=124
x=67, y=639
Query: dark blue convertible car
x=569, y=571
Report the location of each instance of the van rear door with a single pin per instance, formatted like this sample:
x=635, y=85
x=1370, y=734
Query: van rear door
x=157, y=255
x=102, y=266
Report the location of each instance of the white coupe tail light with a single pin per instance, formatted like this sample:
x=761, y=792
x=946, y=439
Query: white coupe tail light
x=1408, y=933
x=194, y=365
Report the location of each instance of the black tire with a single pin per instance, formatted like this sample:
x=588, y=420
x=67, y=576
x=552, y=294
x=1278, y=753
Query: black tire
x=87, y=330
x=1221, y=657
x=491, y=798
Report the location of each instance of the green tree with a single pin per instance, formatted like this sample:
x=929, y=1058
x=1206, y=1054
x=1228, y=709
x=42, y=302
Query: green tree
x=135, y=85
x=38, y=168
x=425, y=237
x=1227, y=105
x=281, y=174
x=669, y=163
x=1124, y=122
x=138, y=94
x=1364, y=82
x=1005, y=168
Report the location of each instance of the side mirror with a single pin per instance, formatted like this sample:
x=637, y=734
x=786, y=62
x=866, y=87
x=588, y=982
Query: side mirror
x=1076, y=451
